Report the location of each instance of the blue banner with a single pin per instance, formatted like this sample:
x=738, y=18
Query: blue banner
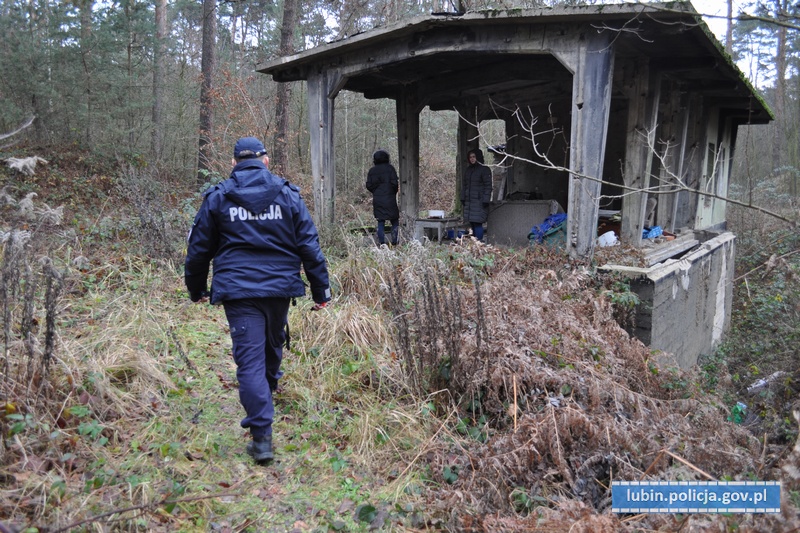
x=695, y=497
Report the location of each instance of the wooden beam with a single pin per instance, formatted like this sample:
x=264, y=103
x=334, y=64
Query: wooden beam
x=672, y=142
x=642, y=88
x=656, y=253
x=468, y=139
x=692, y=163
x=408, y=108
x=590, y=56
x=322, y=89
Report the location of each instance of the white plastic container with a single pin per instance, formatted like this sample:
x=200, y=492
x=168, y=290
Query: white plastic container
x=608, y=238
x=435, y=213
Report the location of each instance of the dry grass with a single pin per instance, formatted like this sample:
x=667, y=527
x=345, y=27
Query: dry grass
x=481, y=374
x=105, y=379
x=80, y=370
x=565, y=400
x=124, y=337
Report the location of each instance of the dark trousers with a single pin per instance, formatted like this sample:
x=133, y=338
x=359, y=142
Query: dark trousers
x=258, y=334
x=477, y=230
x=382, y=231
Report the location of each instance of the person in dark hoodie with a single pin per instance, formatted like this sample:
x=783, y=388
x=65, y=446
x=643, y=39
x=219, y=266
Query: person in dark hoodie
x=383, y=183
x=256, y=229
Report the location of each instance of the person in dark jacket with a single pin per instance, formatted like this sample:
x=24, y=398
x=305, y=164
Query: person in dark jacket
x=258, y=232
x=383, y=183
x=476, y=192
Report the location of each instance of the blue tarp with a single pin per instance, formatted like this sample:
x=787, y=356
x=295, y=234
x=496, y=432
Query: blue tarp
x=551, y=222
x=652, y=233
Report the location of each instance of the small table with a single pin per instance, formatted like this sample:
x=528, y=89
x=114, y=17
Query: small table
x=439, y=224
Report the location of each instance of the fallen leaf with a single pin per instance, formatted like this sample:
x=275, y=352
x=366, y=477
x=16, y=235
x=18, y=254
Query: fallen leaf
x=346, y=506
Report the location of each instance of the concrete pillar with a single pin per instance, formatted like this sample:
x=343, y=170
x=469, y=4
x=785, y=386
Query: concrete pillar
x=408, y=109
x=468, y=139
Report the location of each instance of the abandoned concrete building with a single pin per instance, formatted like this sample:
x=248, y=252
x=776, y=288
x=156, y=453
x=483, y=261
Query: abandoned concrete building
x=628, y=109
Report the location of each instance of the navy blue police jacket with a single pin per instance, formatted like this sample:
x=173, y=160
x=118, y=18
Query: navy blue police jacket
x=257, y=230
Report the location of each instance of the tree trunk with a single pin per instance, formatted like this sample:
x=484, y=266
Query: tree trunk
x=207, y=65
x=781, y=9
x=86, y=59
x=284, y=92
x=130, y=114
x=729, y=29
x=158, y=79
x=40, y=68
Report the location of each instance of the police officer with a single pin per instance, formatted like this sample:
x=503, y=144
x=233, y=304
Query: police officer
x=258, y=232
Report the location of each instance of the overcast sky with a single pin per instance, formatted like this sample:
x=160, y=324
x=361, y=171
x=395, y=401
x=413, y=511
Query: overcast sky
x=714, y=7
x=719, y=8
x=715, y=13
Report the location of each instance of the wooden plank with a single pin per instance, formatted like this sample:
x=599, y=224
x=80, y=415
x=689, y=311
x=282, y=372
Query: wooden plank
x=642, y=87
x=593, y=65
x=671, y=136
x=322, y=89
x=681, y=198
x=692, y=161
x=407, y=110
x=467, y=138
x=656, y=252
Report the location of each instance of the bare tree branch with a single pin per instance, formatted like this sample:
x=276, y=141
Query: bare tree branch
x=674, y=183
x=27, y=124
x=762, y=265
x=740, y=17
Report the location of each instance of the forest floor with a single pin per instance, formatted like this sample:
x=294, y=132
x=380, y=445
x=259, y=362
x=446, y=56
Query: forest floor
x=462, y=387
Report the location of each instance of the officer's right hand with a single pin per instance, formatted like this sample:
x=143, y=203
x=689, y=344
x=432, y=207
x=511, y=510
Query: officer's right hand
x=318, y=306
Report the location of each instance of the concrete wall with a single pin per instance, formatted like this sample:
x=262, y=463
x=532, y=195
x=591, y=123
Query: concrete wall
x=531, y=175
x=686, y=302
x=510, y=222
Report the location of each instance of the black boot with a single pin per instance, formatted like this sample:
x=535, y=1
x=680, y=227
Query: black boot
x=260, y=449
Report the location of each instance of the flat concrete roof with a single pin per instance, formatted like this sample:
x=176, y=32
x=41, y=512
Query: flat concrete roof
x=447, y=52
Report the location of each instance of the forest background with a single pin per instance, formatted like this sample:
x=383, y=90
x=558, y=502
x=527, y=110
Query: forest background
x=109, y=383
x=137, y=80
